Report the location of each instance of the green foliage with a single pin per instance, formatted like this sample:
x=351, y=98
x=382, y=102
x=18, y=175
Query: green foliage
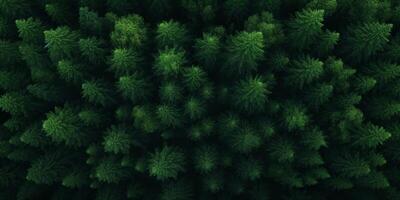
x=169, y=63
x=117, y=140
x=110, y=171
x=166, y=163
x=91, y=49
x=199, y=99
x=134, y=87
x=208, y=48
x=171, y=34
x=303, y=71
x=129, y=31
x=63, y=125
x=176, y=191
x=30, y=30
x=47, y=169
x=98, y=92
x=245, y=50
x=206, y=159
x=124, y=61
x=245, y=140
x=251, y=94
x=61, y=43
x=16, y=103
x=306, y=25
x=365, y=40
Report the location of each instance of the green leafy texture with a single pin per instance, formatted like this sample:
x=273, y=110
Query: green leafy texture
x=145, y=119
x=124, y=61
x=47, y=169
x=92, y=117
x=63, y=125
x=35, y=136
x=170, y=92
x=294, y=117
x=92, y=50
x=171, y=34
x=166, y=163
x=251, y=94
x=268, y=26
x=194, y=108
x=134, y=87
x=384, y=72
x=245, y=140
x=367, y=39
x=61, y=43
x=75, y=180
x=319, y=94
x=129, y=31
x=9, y=54
x=244, y=52
x=206, y=158
x=329, y=6
x=303, y=71
x=208, y=49
x=30, y=30
x=363, y=84
x=169, y=63
x=17, y=103
x=213, y=183
x=374, y=180
x=13, y=80
x=110, y=171
x=327, y=43
x=98, y=92
x=303, y=29
x=169, y=116
x=194, y=77
x=176, y=191
x=313, y=139
x=117, y=140
x=236, y=9
x=89, y=21
x=51, y=93
x=371, y=136
x=383, y=108
x=250, y=169
x=60, y=12
x=281, y=150
x=351, y=166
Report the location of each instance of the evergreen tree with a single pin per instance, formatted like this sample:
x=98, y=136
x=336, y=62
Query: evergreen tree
x=166, y=163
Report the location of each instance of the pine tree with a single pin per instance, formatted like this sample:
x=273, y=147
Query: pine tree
x=134, y=87
x=169, y=63
x=124, y=61
x=367, y=39
x=63, y=125
x=171, y=34
x=208, y=48
x=129, y=31
x=166, y=163
x=303, y=71
x=306, y=25
x=61, y=43
x=117, y=140
x=98, y=92
x=251, y=94
x=109, y=171
x=245, y=51
x=47, y=169
x=30, y=30
x=206, y=158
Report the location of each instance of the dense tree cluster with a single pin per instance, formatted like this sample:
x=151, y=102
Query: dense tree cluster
x=199, y=99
